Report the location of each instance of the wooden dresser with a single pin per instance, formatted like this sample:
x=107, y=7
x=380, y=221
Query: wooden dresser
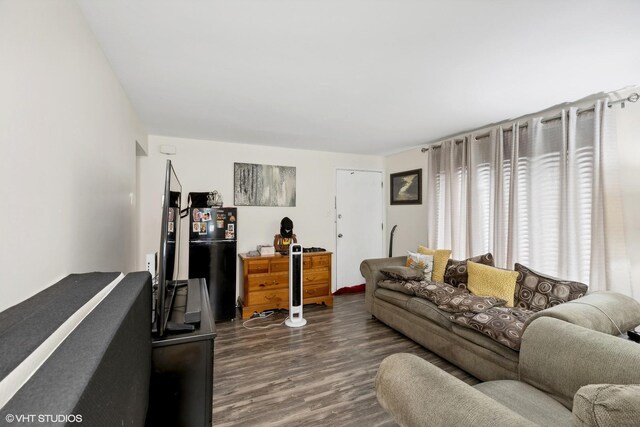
x=266, y=281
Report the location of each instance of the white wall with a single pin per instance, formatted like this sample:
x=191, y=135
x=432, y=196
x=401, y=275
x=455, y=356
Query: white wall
x=410, y=219
x=208, y=165
x=67, y=168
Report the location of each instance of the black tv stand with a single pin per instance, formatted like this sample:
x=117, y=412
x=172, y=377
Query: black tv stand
x=181, y=386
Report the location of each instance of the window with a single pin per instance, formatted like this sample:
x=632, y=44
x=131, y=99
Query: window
x=538, y=213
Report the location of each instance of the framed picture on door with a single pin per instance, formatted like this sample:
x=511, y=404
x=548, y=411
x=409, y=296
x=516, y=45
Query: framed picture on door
x=406, y=187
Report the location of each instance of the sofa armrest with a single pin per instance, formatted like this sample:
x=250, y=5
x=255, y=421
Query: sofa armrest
x=416, y=393
x=603, y=311
x=370, y=270
x=559, y=357
x=606, y=405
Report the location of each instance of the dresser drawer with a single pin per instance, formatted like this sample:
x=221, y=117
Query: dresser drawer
x=280, y=265
x=320, y=261
x=260, y=282
x=257, y=266
x=277, y=298
x=315, y=291
x=319, y=276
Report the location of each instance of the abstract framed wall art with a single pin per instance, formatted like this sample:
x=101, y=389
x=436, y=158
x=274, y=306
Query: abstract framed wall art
x=264, y=185
x=406, y=187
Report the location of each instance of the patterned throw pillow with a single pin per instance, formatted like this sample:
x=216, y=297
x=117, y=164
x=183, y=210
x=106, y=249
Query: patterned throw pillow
x=496, y=282
x=421, y=263
x=470, y=303
x=457, y=275
x=402, y=273
x=535, y=291
x=440, y=258
x=501, y=324
x=450, y=299
x=437, y=292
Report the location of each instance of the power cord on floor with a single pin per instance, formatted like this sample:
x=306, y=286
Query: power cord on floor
x=262, y=316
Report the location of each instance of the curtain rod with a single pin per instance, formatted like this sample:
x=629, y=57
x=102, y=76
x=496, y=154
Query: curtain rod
x=631, y=98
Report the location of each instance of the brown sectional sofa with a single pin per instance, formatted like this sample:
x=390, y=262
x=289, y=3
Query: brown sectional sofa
x=486, y=359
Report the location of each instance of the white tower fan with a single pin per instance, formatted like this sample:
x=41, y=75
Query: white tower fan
x=295, y=319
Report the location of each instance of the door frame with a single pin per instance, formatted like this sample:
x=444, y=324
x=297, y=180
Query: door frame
x=383, y=230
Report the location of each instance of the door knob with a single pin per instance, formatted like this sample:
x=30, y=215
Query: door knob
x=340, y=235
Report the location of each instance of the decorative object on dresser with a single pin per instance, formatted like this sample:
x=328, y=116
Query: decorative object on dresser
x=266, y=282
x=265, y=250
x=286, y=237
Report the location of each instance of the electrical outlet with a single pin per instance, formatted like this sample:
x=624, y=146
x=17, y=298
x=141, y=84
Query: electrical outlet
x=151, y=264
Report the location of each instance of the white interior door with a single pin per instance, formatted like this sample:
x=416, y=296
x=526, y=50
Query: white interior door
x=359, y=233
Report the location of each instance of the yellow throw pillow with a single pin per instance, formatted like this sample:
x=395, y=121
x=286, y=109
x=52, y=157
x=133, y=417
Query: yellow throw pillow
x=440, y=258
x=492, y=281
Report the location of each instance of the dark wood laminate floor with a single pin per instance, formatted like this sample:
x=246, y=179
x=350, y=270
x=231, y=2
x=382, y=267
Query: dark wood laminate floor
x=319, y=375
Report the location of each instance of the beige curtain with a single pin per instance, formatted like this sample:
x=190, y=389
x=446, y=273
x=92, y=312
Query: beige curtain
x=543, y=193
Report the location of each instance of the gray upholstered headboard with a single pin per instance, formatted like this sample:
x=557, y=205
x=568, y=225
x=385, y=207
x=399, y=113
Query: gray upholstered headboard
x=91, y=334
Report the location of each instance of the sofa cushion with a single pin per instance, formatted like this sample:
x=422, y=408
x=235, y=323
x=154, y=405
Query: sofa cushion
x=393, y=297
x=504, y=325
x=478, y=338
x=427, y=309
x=486, y=280
x=422, y=264
x=607, y=405
x=399, y=272
x=527, y=401
x=457, y=275
x=536, y=291
x=395, y=285
x=440, y=258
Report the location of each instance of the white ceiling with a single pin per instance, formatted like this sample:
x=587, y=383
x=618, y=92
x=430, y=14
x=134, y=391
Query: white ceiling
x=359, y=76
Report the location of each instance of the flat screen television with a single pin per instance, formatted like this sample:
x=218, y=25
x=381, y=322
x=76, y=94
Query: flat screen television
x=169, y=248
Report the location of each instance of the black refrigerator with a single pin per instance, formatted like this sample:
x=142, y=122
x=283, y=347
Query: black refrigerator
x=213, y=254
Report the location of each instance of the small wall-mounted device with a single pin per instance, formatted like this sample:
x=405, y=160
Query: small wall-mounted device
x=295, y=319
x=168, y=149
